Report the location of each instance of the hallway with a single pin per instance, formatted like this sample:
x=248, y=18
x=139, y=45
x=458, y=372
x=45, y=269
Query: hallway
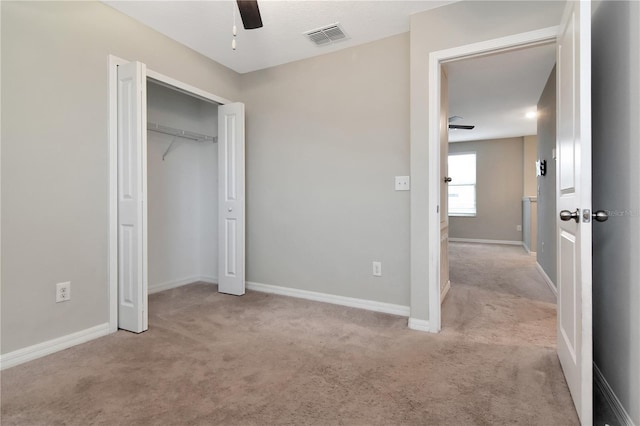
x=497, y=296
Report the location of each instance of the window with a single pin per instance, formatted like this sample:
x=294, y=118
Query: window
x=462, y=188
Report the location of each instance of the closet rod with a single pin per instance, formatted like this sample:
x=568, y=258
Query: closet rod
x=180, y=133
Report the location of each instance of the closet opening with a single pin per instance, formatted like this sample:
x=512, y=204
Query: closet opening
x=182, y=188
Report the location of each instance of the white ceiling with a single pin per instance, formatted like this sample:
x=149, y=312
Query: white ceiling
x=206, y=26
x=492, y=92
x=495, y=92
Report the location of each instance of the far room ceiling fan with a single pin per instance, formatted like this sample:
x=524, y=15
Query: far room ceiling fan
x=458, y=126
x=250, y=14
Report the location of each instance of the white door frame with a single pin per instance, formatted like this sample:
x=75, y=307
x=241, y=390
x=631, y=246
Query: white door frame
x=436, y=59
x=113, y=63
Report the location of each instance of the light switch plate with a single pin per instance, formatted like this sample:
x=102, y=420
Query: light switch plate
x=403, y=183
x=377, y=269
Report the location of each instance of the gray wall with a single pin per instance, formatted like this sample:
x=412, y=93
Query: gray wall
x=529, y=189
x=182, y=190
x=325, y=138
x=616, y=183
x=529, y=165
x=499, y=178
x=529, y=223
x=547, y=239
x=55, y=155
x=454, y=25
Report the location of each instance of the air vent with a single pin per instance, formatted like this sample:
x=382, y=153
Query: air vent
x=326, y=35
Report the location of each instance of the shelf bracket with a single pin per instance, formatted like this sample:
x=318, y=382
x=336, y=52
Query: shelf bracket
x=168, y=149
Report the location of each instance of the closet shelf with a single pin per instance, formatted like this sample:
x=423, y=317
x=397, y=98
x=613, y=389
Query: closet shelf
x=180, y=133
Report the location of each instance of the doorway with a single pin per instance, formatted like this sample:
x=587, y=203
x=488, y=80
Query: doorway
x=489, y=163
x=437, y=62
x=129, y=192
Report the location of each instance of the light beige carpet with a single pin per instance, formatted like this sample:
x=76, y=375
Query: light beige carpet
x=270, y=360
x=498, y=296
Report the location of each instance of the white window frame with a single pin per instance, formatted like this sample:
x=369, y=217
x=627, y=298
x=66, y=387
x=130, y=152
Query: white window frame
x=475, y=186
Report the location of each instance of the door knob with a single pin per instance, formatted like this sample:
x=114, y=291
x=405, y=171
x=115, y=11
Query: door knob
x=230, y=209
x=447, y=179
x=566, y=215
x=600, y=216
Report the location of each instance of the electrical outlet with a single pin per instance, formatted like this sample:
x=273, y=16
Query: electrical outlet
x=63, y=292
x=518, y=227
x=377, y=269
x=403, y=183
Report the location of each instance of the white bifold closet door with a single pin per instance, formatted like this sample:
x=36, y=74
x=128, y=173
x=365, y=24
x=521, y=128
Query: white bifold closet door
x=132, y=298
x=231, y=202
x=132, y=193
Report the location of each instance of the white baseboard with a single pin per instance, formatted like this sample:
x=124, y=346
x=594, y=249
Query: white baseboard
x=39, y=350
x=528, y=250
x=611, y=398
x=370, y=305
x=472, y=240
x=419, y=325
x=546, y=278
x=155, y=288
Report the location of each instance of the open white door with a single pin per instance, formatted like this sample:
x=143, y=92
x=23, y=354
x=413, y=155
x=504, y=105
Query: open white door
x=132, y=189
x=445, y=283
x=574, y=202
x=231, y=225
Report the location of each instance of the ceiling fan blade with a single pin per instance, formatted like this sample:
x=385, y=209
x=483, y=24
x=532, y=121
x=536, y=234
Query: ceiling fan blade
x=460, y=127
x=250, y=14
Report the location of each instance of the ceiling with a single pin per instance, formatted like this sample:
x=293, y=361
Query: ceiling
x=495, y=92
x=492, y=92
x=206, y=26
